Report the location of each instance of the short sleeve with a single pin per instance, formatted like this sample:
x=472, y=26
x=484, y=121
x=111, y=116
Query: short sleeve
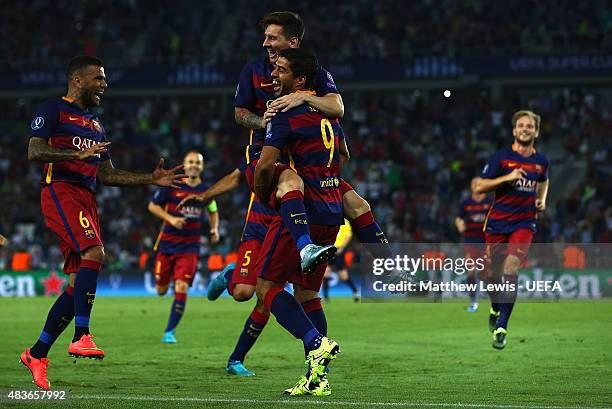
x=491, y=169
x=278, y=131
x=161, y=196
x=245, y=94
x=461, y=213
x=45, y=120
x=325, y=83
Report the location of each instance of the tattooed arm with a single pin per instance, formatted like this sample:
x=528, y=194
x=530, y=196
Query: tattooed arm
x=246, y=118
x=111, y=176
x=39, y=150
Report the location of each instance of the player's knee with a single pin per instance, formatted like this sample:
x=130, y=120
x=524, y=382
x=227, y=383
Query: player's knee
x=243, y=294
x=354, y=205
x=95, y=253
x=289, y=181
x=180, y=286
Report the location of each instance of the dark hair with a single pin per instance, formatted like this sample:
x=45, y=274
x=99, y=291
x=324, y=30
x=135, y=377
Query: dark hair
x=290, y=22
x=302, y=62
x=82, y=61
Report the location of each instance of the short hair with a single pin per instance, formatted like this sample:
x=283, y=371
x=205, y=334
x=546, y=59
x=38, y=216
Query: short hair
x=194, y=151
x=525, y=112
x=303, y=62
x=291, y=22
x=80, y=62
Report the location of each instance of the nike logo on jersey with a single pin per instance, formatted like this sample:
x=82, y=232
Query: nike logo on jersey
x=296, y=214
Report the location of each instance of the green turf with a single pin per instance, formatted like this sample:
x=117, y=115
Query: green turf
x=423, y=355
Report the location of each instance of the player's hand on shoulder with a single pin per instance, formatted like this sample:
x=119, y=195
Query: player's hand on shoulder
x=167, y=177
x=516, y=174
x=267, y=116
x=289, y=101
x=176, y=222
x=93, y=150
x=540, y=205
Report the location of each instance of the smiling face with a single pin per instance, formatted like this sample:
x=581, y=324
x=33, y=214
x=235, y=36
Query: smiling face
x=525, y=130
x=275, y=41
x=194, y=164
x=91, y=84
x=283, y=79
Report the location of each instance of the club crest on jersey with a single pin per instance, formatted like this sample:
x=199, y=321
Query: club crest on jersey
x=97, y=125
x=37, y=123
x=90, y=234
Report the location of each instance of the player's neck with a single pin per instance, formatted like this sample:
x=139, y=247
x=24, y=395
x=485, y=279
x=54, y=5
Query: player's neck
x=193, y=182
x=523, y=150
x=73, y=97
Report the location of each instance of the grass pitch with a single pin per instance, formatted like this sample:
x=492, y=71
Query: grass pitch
x=393, y=355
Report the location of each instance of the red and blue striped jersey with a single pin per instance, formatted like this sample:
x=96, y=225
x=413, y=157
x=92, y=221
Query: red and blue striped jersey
x=309, y=143
x=65, y=125
x=254, y=91
x=474, y=214
x=258, y=218
x=513, y=205
x=186, y=240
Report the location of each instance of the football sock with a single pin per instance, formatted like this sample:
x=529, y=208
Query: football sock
x=290, y=315
x=368, y=231
x=252, y=328
x=507, y=302
x=294, y=216
x=177, y=310
x=60, y=315
x=314, y=312
x=471, y=282
x=84, y=295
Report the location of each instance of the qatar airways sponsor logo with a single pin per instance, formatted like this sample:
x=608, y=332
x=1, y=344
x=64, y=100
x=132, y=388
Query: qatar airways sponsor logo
x=82, y=144
x=525, y=185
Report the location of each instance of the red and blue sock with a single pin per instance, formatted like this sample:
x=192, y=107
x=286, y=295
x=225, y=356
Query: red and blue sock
x=290, y=315
x=85, y=286
x=60, y=315
x=253, y=326
x=177, y=311
x=368, y=231
x=294, y=216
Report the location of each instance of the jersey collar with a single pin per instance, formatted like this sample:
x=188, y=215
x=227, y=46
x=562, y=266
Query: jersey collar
x=515, y=149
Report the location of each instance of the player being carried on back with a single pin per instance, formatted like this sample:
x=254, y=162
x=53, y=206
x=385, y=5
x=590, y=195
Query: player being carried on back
x=307, y=143
x=282, y=30
x=518, y=176
x=178, y=243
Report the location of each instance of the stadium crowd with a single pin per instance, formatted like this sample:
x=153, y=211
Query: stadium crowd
x=223, y=32
x=413, y=154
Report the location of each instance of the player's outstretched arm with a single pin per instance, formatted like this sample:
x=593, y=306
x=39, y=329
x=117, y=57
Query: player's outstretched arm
x=213, y=218
x=486, y=185
x=39, y=150
x=264, y=172
x=329, y=105
x=541, y=193
x=111, y=176
x=226, y=184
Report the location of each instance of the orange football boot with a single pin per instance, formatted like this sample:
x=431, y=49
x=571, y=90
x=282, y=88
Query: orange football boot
x=38, y=368
x=85, y=348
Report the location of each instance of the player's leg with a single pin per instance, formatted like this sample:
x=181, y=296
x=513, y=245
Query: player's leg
x=162, y=270
x=278, y=262
x=58, y=318
x=85, y=285
x=290, y=193
x=471, y=280
x=518, y=246
x=253, y=327
x=184, y=268
x=494, y=250
x=357, y=210
x=345, y=277
x=326, y=280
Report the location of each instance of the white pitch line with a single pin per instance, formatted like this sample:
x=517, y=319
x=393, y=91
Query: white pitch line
x=330, y=402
